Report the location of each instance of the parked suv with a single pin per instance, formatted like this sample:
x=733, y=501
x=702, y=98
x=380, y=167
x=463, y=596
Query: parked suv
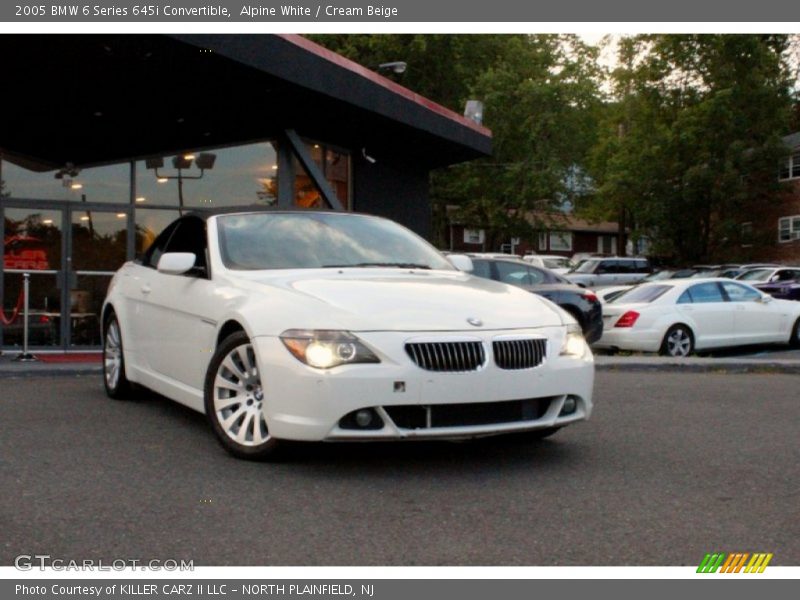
x=602, y=272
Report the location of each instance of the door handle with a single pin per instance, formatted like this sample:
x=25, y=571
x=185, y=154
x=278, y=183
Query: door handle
x=146, y=289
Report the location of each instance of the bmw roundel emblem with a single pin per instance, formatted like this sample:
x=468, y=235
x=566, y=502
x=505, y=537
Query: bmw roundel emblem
x=475, y=321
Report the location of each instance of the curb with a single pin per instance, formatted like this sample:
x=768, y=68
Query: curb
x=787, y=367
x=23, y=373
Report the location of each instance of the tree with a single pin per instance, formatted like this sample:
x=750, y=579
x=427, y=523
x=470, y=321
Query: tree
x=540, y=96
x=690, y=145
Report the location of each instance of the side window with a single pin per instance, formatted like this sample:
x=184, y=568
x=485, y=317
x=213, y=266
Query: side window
x=706, y=292
x=481, y=268
x=513, y=273
x=685, y=297
x=739, y=293
x=786, y=275
x=537, y=276
x=156, y=249
x=190, y=236
x=605, y=266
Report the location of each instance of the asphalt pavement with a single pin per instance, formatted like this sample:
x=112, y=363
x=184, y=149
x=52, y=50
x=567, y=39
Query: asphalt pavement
x=670, y=467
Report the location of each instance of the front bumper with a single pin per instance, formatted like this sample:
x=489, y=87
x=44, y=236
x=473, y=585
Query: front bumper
x=303, y=403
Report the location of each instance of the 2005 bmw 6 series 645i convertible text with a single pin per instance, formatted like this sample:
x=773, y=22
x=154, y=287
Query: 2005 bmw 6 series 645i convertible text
x=300, y=325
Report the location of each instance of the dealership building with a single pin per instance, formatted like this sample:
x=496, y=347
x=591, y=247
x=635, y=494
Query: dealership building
x=107, y=138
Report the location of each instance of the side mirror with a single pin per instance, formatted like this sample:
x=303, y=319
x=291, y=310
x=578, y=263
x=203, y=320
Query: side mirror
x=176, y=263
x=765, y=299
x=462, y=262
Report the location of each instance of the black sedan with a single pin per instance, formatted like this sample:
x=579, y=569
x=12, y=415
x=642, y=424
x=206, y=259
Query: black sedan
x=579, y=302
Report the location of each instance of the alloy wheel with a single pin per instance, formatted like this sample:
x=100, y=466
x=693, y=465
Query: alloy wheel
x=679, y=342
x=239, y=397
x=112, y=355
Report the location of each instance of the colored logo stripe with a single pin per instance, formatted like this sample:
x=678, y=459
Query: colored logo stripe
x=711, y=563
x=758, y=563
x=734, y=562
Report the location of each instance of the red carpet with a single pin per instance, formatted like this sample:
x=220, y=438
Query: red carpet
x=79, y=357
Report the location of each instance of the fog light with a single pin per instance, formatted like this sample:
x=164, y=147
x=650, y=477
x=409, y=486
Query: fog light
x=570, y=406
x=363, y=418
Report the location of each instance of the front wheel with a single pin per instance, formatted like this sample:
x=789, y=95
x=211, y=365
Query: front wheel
x=234, y=400
x=114, y=378
x=678, y=342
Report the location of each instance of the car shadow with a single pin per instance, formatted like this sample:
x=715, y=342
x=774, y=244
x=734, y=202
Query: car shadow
x=508, y=451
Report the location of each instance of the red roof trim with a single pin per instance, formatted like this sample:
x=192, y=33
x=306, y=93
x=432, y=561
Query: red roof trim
x=377, y=79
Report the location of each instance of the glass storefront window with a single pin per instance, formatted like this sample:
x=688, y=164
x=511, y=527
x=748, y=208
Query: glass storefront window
x=99, y=240
x=335, y=166
x=32, y=239
x=44, y=316
x=238, y=176
x=97, y=184
x=149, y=223
x=306, y=192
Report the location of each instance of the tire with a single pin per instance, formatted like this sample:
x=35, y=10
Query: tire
x=234, y=400
x=794, y=340
x=678, y=342
x=114, y=378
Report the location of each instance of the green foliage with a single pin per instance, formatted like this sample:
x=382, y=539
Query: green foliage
x=541, y=98
x=689, y=148
x=683, y=146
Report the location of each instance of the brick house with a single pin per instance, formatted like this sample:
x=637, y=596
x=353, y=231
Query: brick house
x=556, y=233
x=783, y=218
x=773, y=233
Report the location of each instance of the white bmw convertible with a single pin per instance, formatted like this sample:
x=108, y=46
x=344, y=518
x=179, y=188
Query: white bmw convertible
x=300, y=325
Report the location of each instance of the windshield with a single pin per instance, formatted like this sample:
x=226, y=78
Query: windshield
x=659, y=275
x=556, y=263
x=755, y=275
x=586, y=267
x=256, y=241
x=642, y=293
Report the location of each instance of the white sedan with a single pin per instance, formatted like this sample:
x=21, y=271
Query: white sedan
x=676, y=317
x=301, y=325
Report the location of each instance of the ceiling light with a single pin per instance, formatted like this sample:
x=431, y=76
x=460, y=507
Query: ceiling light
x=162, y=180
x=141, y=199
x=76, y=186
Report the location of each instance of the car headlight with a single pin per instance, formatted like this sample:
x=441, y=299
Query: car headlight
x=574, y=343
x=325, y=349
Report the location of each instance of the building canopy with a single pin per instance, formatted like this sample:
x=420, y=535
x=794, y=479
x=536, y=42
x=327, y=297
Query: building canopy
x=98, y=99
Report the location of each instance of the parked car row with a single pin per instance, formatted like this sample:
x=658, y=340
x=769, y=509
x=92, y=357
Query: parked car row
x=731, y=314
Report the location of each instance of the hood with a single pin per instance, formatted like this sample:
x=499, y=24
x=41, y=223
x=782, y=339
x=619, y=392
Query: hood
x=375, y=299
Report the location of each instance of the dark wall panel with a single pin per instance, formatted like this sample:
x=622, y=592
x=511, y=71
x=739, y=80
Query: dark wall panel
x=396, y=191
